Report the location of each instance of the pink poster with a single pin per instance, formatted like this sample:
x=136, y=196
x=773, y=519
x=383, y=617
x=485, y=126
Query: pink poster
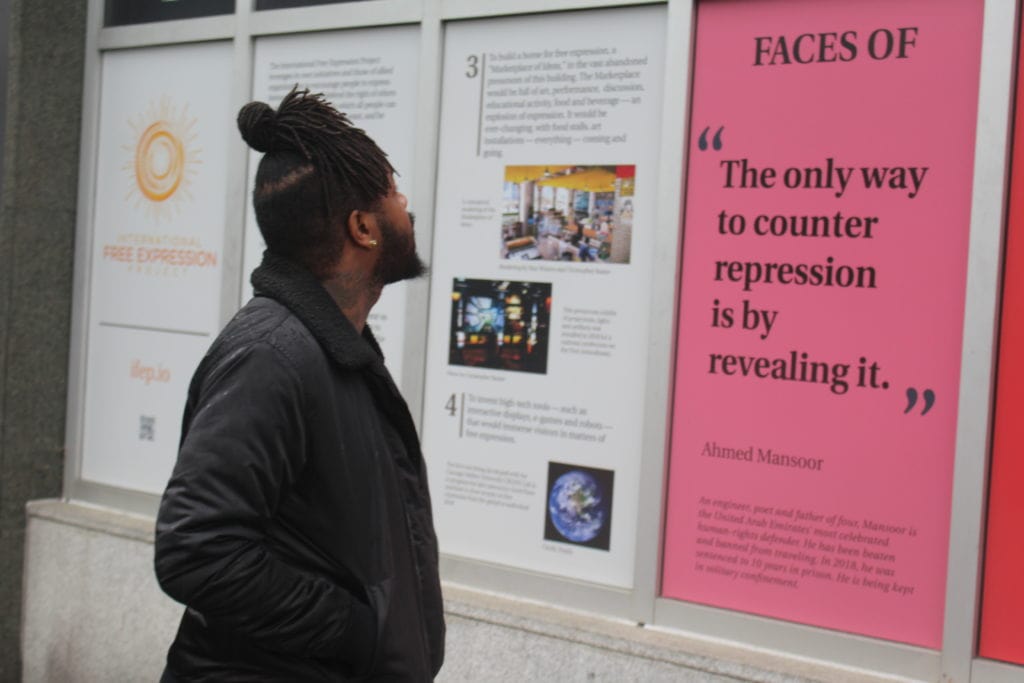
x=821, y=312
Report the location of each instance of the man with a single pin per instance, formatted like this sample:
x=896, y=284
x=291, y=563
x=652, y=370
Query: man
x=296, y=527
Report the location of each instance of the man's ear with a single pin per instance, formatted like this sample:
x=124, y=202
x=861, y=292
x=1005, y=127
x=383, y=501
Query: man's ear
x=362, y=228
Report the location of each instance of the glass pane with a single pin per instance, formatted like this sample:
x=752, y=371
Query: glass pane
x=281, y=4
x=122, y=12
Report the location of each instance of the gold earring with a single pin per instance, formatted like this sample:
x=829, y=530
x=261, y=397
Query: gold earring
x=373, y=243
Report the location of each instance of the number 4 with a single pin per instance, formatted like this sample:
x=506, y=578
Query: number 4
x=450, y=405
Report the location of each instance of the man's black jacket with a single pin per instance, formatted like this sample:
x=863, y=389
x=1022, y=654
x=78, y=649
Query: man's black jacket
x=296, y=527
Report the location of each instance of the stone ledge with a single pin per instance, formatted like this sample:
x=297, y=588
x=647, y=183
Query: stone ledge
x=93, y=517
x=687, y=650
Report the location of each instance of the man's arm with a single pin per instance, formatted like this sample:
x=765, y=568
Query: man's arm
x=243, y=449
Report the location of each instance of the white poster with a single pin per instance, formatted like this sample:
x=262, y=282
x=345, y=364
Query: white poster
x=156, y=262
x=370, y=75
x=540, y=287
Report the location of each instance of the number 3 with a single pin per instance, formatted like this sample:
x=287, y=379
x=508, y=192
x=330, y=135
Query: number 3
x=471, y=66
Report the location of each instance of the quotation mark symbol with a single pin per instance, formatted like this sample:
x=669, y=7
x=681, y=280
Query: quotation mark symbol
x=716, y=141
x=929, y=400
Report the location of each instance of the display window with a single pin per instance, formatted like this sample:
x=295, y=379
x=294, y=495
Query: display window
x=828, y=207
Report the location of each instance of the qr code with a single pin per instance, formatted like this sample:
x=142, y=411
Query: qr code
x=147, y=427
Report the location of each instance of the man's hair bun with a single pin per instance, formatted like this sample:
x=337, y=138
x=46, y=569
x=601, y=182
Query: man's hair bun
x=257, y=123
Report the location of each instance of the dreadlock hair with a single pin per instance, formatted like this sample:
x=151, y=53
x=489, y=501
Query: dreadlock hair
x=317, y=168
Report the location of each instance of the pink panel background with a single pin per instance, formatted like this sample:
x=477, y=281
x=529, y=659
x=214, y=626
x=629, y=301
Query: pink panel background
x=880, y=463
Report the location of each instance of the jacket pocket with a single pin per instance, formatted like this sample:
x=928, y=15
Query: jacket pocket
x=379, y=597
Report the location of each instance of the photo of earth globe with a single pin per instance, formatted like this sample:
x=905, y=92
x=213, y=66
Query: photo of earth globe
x=579, y=505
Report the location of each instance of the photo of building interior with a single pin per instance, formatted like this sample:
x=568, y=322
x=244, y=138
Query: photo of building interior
x=568, y=213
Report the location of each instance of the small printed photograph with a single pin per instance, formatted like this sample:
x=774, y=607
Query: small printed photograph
x=579, y=509
x=568, y=213
x=500, y=325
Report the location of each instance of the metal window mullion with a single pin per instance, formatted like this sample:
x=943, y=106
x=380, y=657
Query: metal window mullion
x=663, y=301
x=367, y=14
x=81, y=281
x=789, y=640
x=175, y=32
x=428, y=126
x=990, y=671
x=236, y=199
x=474, y=9
x=988, y=209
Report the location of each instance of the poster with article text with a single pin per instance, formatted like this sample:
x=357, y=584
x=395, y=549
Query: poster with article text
x=830, y=164
x=540, y=286
x=157, y=247
x=370, y=75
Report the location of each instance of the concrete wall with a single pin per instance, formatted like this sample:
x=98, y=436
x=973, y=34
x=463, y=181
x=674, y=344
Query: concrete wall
x=93, y=612
x=37, y=225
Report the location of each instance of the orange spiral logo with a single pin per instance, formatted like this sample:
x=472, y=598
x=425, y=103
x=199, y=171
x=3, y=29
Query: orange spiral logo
x=159, y=162
x=162, y=159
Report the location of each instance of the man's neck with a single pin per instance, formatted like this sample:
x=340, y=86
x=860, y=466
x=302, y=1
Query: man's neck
x=354, y=296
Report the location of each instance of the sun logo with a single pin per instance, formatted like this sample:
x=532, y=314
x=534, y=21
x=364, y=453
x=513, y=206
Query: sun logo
x=162, y=159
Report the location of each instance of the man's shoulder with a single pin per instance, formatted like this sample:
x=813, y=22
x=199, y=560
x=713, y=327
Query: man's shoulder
x=266, y=327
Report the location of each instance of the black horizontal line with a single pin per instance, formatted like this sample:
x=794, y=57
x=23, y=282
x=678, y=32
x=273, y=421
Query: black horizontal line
x=144, y=328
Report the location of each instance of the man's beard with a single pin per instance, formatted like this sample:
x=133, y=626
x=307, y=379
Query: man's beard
x=398, y=259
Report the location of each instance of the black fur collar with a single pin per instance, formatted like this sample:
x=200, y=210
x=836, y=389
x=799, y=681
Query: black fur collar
x=295, y=288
